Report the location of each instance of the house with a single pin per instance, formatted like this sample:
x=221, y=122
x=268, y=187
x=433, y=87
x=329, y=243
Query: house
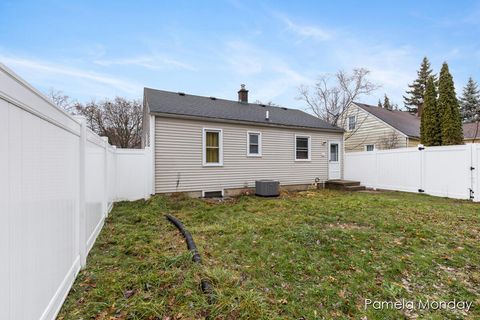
x=369, y=127
x=471, y=132
x=206, y=146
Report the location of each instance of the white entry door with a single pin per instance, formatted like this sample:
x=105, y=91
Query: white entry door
x=334, y=160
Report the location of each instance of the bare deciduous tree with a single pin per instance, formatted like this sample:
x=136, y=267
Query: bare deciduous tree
x=389, y=140
x=61, y=100
x=333, y=93
x=120, y=120
x=269, y=103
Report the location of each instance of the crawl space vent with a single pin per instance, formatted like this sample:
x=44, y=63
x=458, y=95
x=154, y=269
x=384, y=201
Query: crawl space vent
x=212, y=194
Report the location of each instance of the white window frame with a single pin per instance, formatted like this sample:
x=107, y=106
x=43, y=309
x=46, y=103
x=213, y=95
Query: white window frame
x=222, y=190
x=370, y=144
x=309, y=147
x=354, y=121
x=259, y=154
x=204, y=147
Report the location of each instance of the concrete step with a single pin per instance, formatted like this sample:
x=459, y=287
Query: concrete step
x=355, y=188
x=347, y=185
x=338, y=182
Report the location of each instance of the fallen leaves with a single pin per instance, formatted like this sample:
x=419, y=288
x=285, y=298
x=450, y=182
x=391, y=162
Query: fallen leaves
x=127, y=294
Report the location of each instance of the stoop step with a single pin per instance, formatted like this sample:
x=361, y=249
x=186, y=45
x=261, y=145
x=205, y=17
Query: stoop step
x=347, y=185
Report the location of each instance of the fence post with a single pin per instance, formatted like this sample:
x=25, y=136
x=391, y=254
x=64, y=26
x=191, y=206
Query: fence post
x=476, y=171
x=472, y=168
x=115, y=174
x=148, y=172
x=82, y=240
x=375, y=187
x=421, y=187
x=105, y=178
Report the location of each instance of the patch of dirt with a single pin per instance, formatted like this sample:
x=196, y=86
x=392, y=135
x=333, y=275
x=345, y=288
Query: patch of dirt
x=219, y=200
x=469, y=276
x=371, y=191
x=347, y=226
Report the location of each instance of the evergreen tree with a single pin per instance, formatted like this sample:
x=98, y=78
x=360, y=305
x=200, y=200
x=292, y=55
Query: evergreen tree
x=414, y=98
x=470, y=101
x=449, y=109
x=379, y=104
x=386, y=103
x=430, y=129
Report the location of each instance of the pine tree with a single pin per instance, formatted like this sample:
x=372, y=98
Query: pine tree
x=386, y=103
x=430, y=129
x=414, y=98
x=449, y=110
x=470, y=101
x=379, y=104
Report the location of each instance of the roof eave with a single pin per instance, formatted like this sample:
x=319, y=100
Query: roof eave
x=192, y=117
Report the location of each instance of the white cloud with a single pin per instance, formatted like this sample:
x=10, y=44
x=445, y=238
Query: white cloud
x=269, y=74
x=391, y=67
x=47, y=74
x=243, y=58
x=307, y=31
x=154, y=62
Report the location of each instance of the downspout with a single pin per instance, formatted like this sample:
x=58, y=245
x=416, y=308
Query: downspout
x=152, y=151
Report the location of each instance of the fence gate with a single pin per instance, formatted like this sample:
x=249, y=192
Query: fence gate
x=447, y=171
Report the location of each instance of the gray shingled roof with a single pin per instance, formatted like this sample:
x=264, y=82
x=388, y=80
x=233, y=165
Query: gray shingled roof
x=471, y=130
x=403, y=121
x=166, y=102
x=409, y=124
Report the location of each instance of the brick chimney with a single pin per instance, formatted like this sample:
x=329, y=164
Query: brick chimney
x=242, y=94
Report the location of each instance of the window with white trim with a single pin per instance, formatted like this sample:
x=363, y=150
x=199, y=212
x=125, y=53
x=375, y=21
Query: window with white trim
x=212, y=147
x=254, y=144
x=369, y=147
x=334, y=151
x=352, y=122
x=302, y=148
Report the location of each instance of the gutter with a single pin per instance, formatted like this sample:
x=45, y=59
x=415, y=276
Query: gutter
x=213, y=119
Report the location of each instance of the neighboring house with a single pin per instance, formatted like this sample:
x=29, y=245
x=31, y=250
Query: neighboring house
x=369, y=127
x=205, y=146
x=471, y=132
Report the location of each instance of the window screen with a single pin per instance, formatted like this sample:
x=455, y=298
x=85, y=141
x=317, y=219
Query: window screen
x=352, y=122
x=212, y=145
x=334, y=152
x=369, y=147
x=254, y=143
x=302, y=146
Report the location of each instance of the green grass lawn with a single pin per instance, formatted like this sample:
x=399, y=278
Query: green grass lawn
x=307, y=255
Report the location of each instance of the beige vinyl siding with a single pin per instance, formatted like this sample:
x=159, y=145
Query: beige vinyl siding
x=369, y=130
x=178, y=156
x=471, y=140
x=412, y=142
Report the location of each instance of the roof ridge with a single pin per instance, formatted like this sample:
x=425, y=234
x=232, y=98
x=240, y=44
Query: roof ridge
x=373, y=106
x=223, y=99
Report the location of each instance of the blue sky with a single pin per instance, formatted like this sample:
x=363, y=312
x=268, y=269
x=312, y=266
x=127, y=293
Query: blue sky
x=99, y=49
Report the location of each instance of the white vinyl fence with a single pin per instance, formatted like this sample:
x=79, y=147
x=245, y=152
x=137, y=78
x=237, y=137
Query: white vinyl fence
x=447, y=171
x=58, y=181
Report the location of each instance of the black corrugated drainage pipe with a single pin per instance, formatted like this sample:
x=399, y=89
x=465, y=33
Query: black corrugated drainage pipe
x=205, y=284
